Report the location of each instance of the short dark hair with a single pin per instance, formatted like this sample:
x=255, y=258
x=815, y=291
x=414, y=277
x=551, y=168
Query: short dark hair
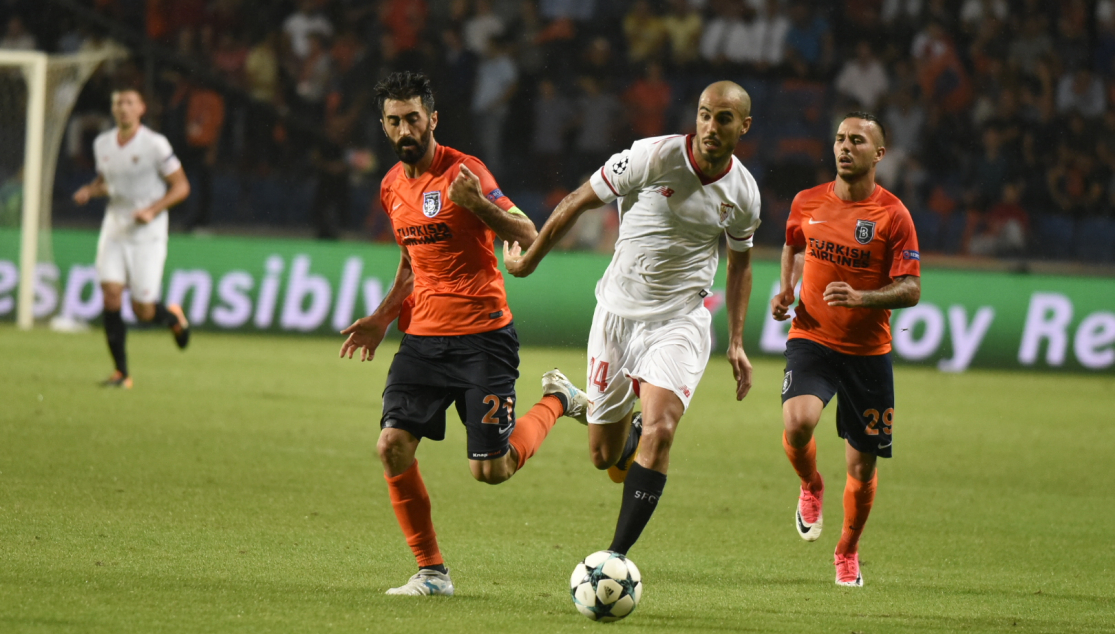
x=129, y=87
x=405, y=85
x=867, y=116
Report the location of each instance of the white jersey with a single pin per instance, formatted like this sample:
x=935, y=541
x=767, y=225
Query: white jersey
x=133, y=174
x=671, y=218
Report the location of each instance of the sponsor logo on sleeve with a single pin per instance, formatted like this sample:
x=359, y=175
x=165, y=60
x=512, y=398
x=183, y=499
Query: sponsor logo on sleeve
x=865, y=231
x=911, y=255
x=431, y=203
x=494, y=195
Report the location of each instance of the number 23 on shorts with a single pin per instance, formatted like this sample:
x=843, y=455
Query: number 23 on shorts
x=494, y=402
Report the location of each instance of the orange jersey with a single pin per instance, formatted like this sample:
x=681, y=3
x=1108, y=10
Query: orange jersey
x=458, y=289
x=866, y=244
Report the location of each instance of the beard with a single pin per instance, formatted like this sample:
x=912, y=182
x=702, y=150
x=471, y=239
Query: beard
x=411, y=150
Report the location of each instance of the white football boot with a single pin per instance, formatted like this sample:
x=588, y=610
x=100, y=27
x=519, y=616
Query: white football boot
x=575, y=400
x=428, y=582
x=808, y=519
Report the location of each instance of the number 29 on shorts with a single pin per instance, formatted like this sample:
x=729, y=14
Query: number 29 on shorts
x=887, y=420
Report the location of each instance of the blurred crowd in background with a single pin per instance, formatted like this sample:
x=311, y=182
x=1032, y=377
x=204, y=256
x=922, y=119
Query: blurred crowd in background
x=1001, y=138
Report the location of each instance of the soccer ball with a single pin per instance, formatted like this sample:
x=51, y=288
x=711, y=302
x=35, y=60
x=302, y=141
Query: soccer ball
x=606, y=586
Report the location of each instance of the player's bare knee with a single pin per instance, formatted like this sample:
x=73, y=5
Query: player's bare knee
x=386, y=450
x=143, y=312
x=606, y=442
x=491, y=471
x=657, y=440
x=113, y=298
x=799, y=426
x=602, y=457
x=861, y=466
x=393, y=452
x=798, y=433
x=494, y=477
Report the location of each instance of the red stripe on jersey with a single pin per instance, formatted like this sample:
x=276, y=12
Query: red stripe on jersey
x=739, y=239
x=605, y=177
x=693, y=163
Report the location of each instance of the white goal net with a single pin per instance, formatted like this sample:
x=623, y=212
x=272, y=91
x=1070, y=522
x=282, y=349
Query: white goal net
x=37, y=94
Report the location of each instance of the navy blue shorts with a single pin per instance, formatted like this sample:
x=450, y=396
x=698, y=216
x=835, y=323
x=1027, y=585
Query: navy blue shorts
x=477, y=373
x=864, y=386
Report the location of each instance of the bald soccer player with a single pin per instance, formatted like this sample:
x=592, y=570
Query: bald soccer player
x=651, y=334
x=852, y=245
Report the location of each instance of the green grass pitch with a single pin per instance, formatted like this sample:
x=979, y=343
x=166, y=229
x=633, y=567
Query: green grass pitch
x=236, y=489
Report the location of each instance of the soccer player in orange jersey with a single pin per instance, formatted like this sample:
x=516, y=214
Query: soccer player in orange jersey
x=460, y=344
x=852, y=245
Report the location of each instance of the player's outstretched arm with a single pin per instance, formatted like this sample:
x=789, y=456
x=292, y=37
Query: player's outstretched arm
x=465, y=190
x=177, y=192
x=367, y=333
x=95, y=189
x=739, y=294
x=522, y=264
x=793, y=261
x=903, y=292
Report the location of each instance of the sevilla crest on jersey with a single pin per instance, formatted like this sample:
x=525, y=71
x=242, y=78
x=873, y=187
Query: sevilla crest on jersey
x=672, y=217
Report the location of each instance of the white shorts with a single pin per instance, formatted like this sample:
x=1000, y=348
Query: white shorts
x=623, y=353
x=136, y=265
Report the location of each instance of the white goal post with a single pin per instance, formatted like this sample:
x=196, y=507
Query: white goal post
x=33, y=65
x=53, y=98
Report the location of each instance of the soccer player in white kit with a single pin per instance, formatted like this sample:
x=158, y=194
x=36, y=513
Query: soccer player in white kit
x=138, y=171
x=651, y=334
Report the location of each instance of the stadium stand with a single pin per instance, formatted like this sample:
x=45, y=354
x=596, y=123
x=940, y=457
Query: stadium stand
x=1001, y=135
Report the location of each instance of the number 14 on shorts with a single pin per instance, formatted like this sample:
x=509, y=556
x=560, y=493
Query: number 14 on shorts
x=598, y=374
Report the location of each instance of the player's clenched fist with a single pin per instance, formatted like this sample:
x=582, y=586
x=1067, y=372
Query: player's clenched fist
x=82, y=195
x=842, y=294
x=780, y=305
x=465, y=189
x=145, y=216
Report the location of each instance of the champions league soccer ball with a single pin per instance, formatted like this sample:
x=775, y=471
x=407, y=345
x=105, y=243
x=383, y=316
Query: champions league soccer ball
x=606, y=586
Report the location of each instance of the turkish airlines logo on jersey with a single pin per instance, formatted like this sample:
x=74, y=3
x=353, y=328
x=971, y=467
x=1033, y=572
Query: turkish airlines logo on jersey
x=424, y=234
x=865, y=231
x=431, y=203
x=665, y=191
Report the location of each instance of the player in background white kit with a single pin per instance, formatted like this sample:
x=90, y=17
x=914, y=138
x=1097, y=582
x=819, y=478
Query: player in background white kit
x=651, y=334
x=138, y=171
